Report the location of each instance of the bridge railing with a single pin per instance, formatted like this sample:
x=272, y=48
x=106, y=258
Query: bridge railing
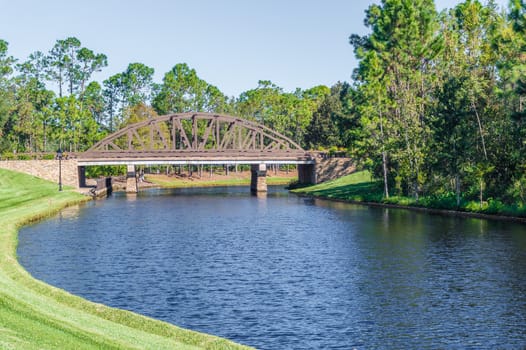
x=164, y=155
x=37, y=156
x=329, y=154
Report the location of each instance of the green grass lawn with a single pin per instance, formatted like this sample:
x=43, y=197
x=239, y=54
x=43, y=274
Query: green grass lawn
x=360, y=187
x=34, y=315
x=354, y=187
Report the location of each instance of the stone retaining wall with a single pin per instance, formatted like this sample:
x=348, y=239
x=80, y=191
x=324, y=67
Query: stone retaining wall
x=46, y=169
x=333, y=168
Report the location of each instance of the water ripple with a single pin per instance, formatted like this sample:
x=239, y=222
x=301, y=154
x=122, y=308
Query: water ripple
x=290, y=273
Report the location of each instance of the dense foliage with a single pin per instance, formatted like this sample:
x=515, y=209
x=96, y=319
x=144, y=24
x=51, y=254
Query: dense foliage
x=441, y=99
x=436, y=105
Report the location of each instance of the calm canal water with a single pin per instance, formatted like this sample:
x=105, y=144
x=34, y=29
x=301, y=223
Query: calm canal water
x=291, y=273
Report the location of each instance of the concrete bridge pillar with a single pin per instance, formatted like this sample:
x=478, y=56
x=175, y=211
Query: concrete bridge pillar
x=131, y=180
x=307, y=174
x=258, y=182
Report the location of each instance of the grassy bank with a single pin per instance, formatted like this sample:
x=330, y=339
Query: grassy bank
x=239, y=179
x=360, y=187
x=34, y=315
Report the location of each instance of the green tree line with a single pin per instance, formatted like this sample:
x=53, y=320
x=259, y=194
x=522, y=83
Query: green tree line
x=436, y=106
x=50, y=101
x=440, y=98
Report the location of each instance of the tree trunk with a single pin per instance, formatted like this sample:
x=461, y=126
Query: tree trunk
x=457, y=189
x=384, y=156
x=384, y=167
x=415, y=188
x=480, y=130
x=70, y=84
x=521, y=191
x=481, y=189
x=60, y=82
x=45, y=136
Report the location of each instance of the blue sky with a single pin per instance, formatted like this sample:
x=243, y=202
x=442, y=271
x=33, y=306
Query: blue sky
x=231, y=43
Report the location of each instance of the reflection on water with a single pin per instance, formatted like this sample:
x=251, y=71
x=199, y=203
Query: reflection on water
x=260, y=195
x=131, y=196
x=70, y=212
x=285, y=272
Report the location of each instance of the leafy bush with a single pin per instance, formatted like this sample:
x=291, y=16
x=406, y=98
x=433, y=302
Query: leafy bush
x=104, y=170
x=8, y=156
x=446, y=200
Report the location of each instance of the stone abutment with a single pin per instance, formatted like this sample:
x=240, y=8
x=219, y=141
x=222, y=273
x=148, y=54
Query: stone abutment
x=47, y=169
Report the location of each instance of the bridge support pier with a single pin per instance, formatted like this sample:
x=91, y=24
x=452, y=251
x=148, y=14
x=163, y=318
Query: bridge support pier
x=258, y=181
x=82, y=176
x=307, y=174
x=131, y=180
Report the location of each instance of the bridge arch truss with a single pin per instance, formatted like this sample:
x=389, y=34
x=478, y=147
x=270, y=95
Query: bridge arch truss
x=197, y=136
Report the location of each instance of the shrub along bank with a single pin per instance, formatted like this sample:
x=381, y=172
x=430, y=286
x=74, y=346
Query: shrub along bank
x=34, y=315
x=360, y=187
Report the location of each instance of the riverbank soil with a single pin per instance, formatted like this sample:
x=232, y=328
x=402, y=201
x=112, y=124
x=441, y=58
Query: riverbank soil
x=34, y=315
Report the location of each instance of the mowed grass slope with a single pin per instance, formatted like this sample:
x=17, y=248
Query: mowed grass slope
x=34, y=315
x=357, y=187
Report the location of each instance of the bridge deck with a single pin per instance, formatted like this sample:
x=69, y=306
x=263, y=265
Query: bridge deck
x=195, y=138
x=194, y=157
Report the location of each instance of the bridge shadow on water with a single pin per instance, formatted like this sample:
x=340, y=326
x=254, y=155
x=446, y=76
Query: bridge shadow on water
x=212, y=191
